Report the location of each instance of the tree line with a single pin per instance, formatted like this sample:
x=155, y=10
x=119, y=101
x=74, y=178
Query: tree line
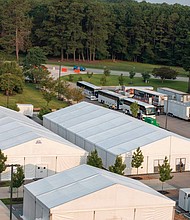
x=90, y=30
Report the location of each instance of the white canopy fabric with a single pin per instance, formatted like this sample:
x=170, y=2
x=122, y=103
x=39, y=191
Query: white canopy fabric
x=16, y=129
x=83, y=180
x=106, y=129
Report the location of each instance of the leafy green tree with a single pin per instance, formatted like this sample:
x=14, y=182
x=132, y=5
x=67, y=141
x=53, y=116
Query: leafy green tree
x=71, y=78
x=164, y=73
x=146, y=76
x=61, y=88
x=107, y=72
x=94, y=160
x=165, y=171
x=137, y=159
x=43, y=111
x=35, y=58
x=118, y=167
x=18, y=178
x=121, y=80
x=11, y=78
x=89, y=74
x=186, y=60
x=131, y=75
x=103, y=80
x=77, y=94
x=3, y=159
x=134, y=109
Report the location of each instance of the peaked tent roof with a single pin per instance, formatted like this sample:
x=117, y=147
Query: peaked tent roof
x=81, y=181
x=15, y=129
x=107, y=129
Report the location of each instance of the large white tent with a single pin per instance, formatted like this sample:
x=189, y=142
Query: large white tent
x=89, y=193
x=38, y=150
x=113, y=133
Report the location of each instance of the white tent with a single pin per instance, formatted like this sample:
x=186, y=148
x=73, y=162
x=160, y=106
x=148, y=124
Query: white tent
x=40, y=151
x=89, y=193
x=112, y=133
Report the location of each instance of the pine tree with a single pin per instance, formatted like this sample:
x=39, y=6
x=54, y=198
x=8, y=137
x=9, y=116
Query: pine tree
x=137, y=159
x=118, y=167
x=165, y=171
x=94, y=160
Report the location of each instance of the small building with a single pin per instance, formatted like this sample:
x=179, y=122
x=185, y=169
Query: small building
x=26, y=109
x=89, y=193
x=115, y=134
x=41, y=152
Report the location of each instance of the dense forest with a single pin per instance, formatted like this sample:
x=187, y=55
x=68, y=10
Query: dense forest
x=91, y=30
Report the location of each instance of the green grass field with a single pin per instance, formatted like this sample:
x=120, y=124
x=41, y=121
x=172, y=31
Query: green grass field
x=118, y=65
x=30, y=95
x=113, y=81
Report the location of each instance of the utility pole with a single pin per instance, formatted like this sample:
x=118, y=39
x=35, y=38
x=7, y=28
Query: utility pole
x=8, y=83
x=11, y=187
x=59, y=80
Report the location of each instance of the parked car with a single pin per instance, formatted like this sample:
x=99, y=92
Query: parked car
x=81, y=68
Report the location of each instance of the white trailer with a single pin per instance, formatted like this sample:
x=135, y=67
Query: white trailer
x=26, y=109
x=184, y=199
x=177, y=109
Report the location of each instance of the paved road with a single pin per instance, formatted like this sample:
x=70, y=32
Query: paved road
x=55, y=72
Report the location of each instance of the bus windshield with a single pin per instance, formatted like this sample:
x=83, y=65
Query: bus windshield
x=150, y=111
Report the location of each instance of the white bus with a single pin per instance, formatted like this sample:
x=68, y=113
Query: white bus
x=90, y=90
x=145, y=109
x=112, y=99
x=152, y=97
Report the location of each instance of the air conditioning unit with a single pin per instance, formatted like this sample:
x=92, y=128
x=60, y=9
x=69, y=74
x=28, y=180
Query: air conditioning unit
x=184, y=199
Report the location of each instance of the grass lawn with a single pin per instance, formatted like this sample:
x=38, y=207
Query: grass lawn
x=31, y=95
x=137, y=81
x=118, y=65
x=14, y=201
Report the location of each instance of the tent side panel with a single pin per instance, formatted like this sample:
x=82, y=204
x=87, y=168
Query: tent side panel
x=86, y=215
x=46, y=123
x=62, y=131
x=29, y=208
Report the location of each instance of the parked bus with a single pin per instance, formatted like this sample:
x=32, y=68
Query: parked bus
x=90, y=90
x=145, y=109
x=175, y=94
x=129, y=90
x=112, y=99
x=152, y=97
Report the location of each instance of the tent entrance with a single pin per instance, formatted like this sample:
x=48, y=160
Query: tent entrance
x=41, y=170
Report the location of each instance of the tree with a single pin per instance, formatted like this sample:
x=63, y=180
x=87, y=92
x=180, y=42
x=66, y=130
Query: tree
x=118, y=167
x=164, y=73
x=137, y=159
x=145, y=76
x=18, y=178
x=121, y=80
x=164, y=171
x=131, y=75
x=134, y=109
x=3, y=159
x=16, y=26
x=103, y=80
x=11, y=78
x=77, y=94
x=43, y=111
x=35, y=58
x=71, y=78
x=186, y=60
x=107, y=71
x=94, y=160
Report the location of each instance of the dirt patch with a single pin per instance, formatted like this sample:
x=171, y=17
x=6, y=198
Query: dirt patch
x=179, y=217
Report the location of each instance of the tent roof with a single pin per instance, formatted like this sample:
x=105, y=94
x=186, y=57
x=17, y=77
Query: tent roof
x=110, y=130
x=81, y=181
x=16, y=129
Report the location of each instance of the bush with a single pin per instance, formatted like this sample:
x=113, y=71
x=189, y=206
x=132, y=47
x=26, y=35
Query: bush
x=43, y=111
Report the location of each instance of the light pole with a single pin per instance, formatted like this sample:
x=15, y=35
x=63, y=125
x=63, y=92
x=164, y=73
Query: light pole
x=166, y=122
x=11, y=187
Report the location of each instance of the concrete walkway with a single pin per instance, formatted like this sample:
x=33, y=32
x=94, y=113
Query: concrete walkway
x=157, y=185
